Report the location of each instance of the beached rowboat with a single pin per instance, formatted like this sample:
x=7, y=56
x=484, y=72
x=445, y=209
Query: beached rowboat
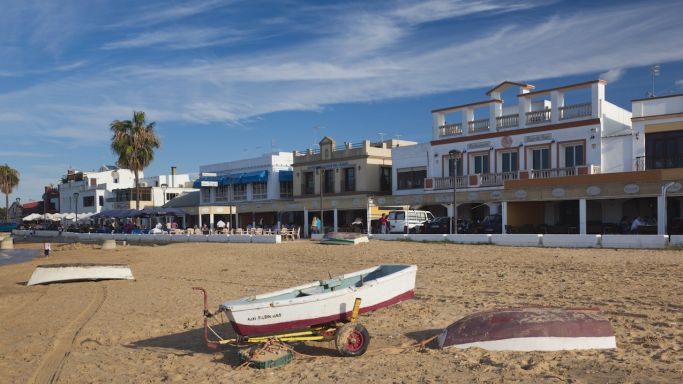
x=319, y=311
x=321, y=302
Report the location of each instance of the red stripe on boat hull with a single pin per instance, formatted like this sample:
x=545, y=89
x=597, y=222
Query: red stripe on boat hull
x=252, y=330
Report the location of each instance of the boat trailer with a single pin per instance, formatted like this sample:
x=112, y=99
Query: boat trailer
x=351, y=338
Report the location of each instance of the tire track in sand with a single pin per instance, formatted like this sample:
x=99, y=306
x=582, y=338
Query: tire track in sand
x=53, y=362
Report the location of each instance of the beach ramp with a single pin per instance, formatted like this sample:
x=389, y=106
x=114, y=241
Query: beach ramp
x=61, y=273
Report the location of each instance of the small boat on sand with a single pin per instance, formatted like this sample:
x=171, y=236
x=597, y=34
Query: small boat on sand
x=530, y=329
x=321, y=302
x=344, y=238
x=58, y=273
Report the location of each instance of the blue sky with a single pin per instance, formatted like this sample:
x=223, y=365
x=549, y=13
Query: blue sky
x=226, y=80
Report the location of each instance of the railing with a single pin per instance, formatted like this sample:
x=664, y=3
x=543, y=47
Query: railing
x=538, y=117
x=594, y=169
x=639, y=164
x=450, y=129
x=575, y=110
x=507, y=121
x=447, y=182
x=661, y=162
x=487, y=180
x=478, y=125
x=552, y=172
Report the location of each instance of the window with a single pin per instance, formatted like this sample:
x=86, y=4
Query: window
x=286, y=189
x=573, y=155
x=206, y=195
x=453, y=165
x=100, y=200
x=385, y=179
x=328, y=177
x=509, y=161
x=309, y=183
x=411, y=178
x=222, y=193
x=481, y=163
x=349, y=184
x=88, y=201
x=259, y=191
x=171, y=196
x=240, y=191
x=663, y=150
x=540, y=158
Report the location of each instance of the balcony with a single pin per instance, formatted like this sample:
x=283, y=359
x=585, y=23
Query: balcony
x=450, y=129
x=575, y=111
x=481, y=125
x=659, y=162
x=439, y=183
x=538, y=117
x=494, y=179
x=507, y=121
x=562, y=172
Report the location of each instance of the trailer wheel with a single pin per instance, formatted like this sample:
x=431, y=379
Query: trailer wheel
x=352, y=339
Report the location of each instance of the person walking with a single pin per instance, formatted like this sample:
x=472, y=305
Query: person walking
x=314, y=225
x=383, y=223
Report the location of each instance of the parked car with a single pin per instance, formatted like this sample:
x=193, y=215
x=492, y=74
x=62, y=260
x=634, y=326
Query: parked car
x=410, y=221
x=490, y=224
x=438, y=225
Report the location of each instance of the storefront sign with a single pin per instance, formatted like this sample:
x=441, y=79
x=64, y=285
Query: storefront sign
x=480, y=144
x=535, y=138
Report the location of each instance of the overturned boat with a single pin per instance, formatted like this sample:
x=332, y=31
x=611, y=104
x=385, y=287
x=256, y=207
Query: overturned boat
x=344, y=238
x=56, y=273
x=321, y=302
x=531, y=329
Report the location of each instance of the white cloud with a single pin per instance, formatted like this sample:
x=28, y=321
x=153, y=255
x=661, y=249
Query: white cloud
x=612, y=75
x=183, y=38
x=680, y=83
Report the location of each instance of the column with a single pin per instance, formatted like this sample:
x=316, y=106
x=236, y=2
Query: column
x=582, y=216
x=305, y=222
x=335, y=219
x=504, y=215
x=556, y=101
x=661, y=215
x=368, y=219
x=199, y=214
x=211, y=220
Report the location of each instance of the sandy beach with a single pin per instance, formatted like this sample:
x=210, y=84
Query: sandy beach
x=149, y=330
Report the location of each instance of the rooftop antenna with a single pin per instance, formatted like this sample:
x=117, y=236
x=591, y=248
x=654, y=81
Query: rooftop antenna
x=381, y=136
x=654, y=71
x=398, y=137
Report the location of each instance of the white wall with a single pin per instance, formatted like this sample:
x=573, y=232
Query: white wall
x=407, y=157
x=657, y=106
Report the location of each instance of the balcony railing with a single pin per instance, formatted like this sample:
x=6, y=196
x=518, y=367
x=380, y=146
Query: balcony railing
x=507, y=121
x=538, y=117
x=552, y=172
x=492, y=179
x=639, y=164
x=480, y=125
x=661, y=162
x=575, y=111
x=447, y=182
x=450, y=129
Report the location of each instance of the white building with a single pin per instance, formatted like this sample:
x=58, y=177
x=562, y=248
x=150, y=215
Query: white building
x=91, y=191
x=560, y=160
x=228, y=184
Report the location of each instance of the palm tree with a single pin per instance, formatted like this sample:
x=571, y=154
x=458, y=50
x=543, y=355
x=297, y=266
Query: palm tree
x=134, y=142
x=9, y=178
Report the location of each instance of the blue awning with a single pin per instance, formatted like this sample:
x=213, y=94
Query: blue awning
x=241, y=178
x=253, y=177
x=285, y=176
x=206, y=181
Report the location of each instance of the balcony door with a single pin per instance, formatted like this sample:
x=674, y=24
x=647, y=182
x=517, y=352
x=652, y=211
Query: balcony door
x=454, y=166
x=573, y=155
x=481, y=163
x=664, y=149
x=540, y=158
x=509, y=161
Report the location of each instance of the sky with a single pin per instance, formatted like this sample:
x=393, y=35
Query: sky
x=229, y=79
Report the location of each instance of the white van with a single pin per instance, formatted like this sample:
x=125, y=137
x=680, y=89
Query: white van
x=408, y=221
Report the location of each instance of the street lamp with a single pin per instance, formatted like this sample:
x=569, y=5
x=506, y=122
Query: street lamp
x=76, y=201
x=17, y=213
x=454, y=155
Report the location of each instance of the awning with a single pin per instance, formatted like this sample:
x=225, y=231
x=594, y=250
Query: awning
x=206, y=181
x=241, y=178
x=253, y=177
x=285, y=176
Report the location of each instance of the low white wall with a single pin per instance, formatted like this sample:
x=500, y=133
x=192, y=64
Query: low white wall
x=470, y=238
x=239, y=239
x=676, y=240
x=217, y=238
x=426, y=237
x=196, y=238
x=268, y=239
x=389, y=236
x=571, y=241
x=518, y=240
x=635, y=241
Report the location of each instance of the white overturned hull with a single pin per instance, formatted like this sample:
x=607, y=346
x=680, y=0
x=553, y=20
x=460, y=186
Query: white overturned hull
x=56, y=273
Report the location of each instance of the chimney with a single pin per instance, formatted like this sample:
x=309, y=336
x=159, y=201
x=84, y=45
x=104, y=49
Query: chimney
x=173, y=169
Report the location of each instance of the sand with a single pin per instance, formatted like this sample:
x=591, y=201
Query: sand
x=150, y=330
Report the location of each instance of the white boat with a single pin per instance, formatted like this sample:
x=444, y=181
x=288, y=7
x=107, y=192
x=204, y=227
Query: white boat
x=321, y=302
x=53, y=273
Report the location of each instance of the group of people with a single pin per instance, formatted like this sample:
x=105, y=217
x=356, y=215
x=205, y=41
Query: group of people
x=316, y=225
x=636, y=223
